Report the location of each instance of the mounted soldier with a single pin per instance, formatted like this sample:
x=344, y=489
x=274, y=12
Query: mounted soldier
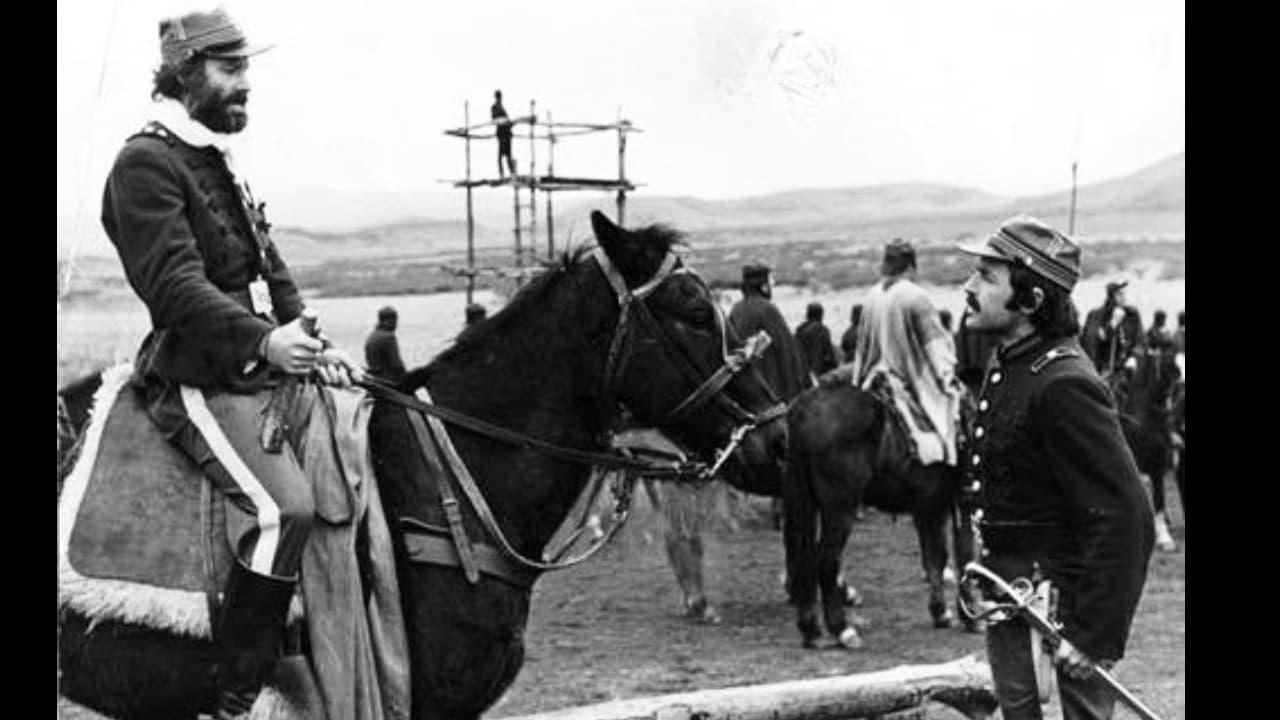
x=903, y=348
x=227, y=329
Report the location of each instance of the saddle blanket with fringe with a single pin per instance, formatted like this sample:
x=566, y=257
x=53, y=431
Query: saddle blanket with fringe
x=142, y=539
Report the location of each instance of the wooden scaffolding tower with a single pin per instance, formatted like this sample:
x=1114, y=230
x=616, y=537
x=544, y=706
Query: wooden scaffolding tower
x=530, y=127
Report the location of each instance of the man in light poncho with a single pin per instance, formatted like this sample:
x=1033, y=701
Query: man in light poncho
x=901, y=337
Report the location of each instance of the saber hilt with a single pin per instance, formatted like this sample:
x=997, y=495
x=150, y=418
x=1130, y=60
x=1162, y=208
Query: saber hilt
x=1053, y=632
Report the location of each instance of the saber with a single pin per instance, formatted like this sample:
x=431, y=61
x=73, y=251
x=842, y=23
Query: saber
x=1053, y=631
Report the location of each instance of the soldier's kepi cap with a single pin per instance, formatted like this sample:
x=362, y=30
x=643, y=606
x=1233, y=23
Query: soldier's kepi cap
x=1038, y=247
x=213, y=34
x=755, y=271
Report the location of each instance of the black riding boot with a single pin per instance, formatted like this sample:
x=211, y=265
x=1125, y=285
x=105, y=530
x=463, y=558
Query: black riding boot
x=250, y=625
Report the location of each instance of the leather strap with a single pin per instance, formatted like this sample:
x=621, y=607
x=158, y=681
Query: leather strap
x=448, y=500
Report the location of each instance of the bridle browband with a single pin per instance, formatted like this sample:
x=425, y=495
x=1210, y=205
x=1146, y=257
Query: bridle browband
x=510, y=564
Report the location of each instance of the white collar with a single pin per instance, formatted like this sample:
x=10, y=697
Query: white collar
x=173, y=115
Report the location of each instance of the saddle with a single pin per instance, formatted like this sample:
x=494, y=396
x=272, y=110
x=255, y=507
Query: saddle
x=142, y=532
x=897, y=447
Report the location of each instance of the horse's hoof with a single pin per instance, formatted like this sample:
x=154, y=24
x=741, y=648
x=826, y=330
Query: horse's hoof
x=849, y=639
x=702, y=611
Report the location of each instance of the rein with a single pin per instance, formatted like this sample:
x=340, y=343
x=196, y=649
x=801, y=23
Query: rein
x=452, y=547
x=612, y=461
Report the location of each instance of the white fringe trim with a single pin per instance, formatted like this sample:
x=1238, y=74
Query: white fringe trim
x=183, y=612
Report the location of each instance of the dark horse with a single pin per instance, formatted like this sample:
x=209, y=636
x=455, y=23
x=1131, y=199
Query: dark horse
x=841, y=453
x=627, y=326
x=1151, y=400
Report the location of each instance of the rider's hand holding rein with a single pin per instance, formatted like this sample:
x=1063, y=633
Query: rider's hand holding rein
x=290, y=348
x=335, y=367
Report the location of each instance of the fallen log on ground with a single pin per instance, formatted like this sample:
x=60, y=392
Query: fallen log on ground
x=963, y=684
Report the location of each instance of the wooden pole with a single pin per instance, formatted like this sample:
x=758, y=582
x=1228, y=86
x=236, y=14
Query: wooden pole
x=551, y=172
x=622, y=170
x=533, y=180
x=963, y=684
x=1071, y=222
x=471, y=222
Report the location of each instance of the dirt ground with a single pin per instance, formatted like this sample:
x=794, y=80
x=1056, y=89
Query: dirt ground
x=612, y=628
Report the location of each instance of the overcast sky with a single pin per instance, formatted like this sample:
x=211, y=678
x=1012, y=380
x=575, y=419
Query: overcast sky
x=734, y=98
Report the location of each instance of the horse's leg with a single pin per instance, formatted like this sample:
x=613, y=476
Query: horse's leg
x=1180, y=475
x=799, y=529
x=837, y=522
x=930, y=520
x=1164, y=540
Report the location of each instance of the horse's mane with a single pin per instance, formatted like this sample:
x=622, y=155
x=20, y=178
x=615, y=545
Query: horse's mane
x=657, y=238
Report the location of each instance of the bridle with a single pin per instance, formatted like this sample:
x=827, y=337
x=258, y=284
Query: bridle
x=456, y=549
x=633, y=310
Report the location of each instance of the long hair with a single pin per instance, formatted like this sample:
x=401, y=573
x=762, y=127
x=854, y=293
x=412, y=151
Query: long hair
x=1056, y=317
x=175, y=81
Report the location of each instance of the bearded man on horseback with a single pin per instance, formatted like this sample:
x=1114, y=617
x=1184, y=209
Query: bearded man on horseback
x=227, y=328
x=902, y=342
x=1060, y=503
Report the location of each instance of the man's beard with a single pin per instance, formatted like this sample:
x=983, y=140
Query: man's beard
x=213, y=109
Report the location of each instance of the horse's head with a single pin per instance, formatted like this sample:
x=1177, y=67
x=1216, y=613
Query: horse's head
x=668, y=356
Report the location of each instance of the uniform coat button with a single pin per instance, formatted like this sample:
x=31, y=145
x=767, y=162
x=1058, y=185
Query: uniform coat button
x=983, y=405
x=979, y=431
x=986, y=552
x=975, y=487
x=996, y=377
x=976, y=460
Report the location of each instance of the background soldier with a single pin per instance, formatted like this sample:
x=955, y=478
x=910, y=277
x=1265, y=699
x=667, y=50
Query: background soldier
x=782, y=365
x=1059, y=494
x=814, y=340
x=382, y=349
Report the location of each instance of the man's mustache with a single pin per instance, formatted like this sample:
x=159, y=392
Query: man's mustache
x=972, y=302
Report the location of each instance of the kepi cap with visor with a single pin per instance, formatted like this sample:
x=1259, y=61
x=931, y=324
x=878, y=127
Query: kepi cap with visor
x=1034, y=245
x=213, y=34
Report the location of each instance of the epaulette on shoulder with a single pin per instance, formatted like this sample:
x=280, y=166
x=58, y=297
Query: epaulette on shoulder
x=156, y=130
x=1062, y=351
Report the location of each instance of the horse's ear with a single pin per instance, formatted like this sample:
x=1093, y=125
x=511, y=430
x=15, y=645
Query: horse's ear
x=607, y=234
x=614, y=240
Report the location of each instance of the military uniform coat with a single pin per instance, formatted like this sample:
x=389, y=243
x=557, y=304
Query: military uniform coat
x=1057, y=487
x=186, y=239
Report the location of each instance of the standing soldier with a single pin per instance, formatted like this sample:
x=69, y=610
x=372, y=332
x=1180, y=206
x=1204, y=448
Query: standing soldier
x=226, y=328
x=1058, y=491
x=782, y=365
x=849, y=341
x=815, y=341
x=382, y=349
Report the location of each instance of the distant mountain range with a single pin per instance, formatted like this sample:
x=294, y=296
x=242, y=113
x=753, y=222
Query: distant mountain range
x=1148, y=203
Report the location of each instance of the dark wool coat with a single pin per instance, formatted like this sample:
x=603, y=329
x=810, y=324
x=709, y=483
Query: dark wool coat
x=1058, y=487
x=782, y=366
x=176, y=218
x=815, y=345
x=382, y=355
